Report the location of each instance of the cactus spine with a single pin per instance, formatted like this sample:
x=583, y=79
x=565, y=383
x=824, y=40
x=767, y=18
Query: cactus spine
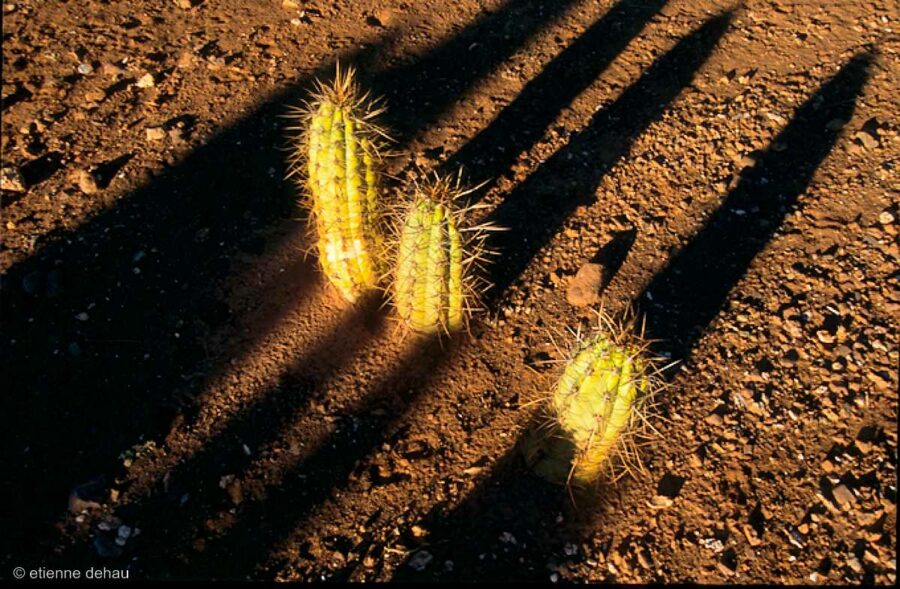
x=433, y=290
x=340, y=147
x=594, y=412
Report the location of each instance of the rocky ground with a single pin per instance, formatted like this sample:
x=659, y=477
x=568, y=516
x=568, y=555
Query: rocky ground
x=185, y=396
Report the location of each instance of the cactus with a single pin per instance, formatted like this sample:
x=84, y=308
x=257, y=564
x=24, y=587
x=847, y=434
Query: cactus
x=340, y=148
x=433, y=280
x=595, y=412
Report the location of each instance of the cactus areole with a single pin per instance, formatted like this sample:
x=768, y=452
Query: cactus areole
x=592, y=408
x=428, y=285
x=343, y=180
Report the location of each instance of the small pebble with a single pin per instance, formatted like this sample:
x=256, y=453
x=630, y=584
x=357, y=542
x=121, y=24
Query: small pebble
x=146, y=81
x=584, y=288
x=155, y=134
x=86, y=181
x=867, y=139
x=843, y=496
x=105, y=547
x=420, y=560
x=11, y=180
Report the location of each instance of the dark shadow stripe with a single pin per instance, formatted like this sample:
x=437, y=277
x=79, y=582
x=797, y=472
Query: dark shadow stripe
x=536, y=209
x=685, y=296
x=526, y=119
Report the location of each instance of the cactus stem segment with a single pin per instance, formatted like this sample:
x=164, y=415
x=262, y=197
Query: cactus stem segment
x=436, y=279
x=338, y=153
x=595, y=420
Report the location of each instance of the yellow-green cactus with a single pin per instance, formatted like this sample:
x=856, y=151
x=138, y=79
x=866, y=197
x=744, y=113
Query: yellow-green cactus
x=340, y=147
x=593, y=413
x=432, y=279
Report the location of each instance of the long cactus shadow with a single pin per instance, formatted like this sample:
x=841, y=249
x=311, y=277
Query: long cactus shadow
x=525, y=120
x=260, y=525
x=107, y=328
x=421, y=90
x=537, y=208
x=686, y=295
x=509, y=525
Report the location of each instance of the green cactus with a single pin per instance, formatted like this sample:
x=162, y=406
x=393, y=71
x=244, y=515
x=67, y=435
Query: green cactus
x=340, y=148
x=433, y=279
x=594, y=412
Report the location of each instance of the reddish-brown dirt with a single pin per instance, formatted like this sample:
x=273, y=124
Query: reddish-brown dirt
x=184, y=395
